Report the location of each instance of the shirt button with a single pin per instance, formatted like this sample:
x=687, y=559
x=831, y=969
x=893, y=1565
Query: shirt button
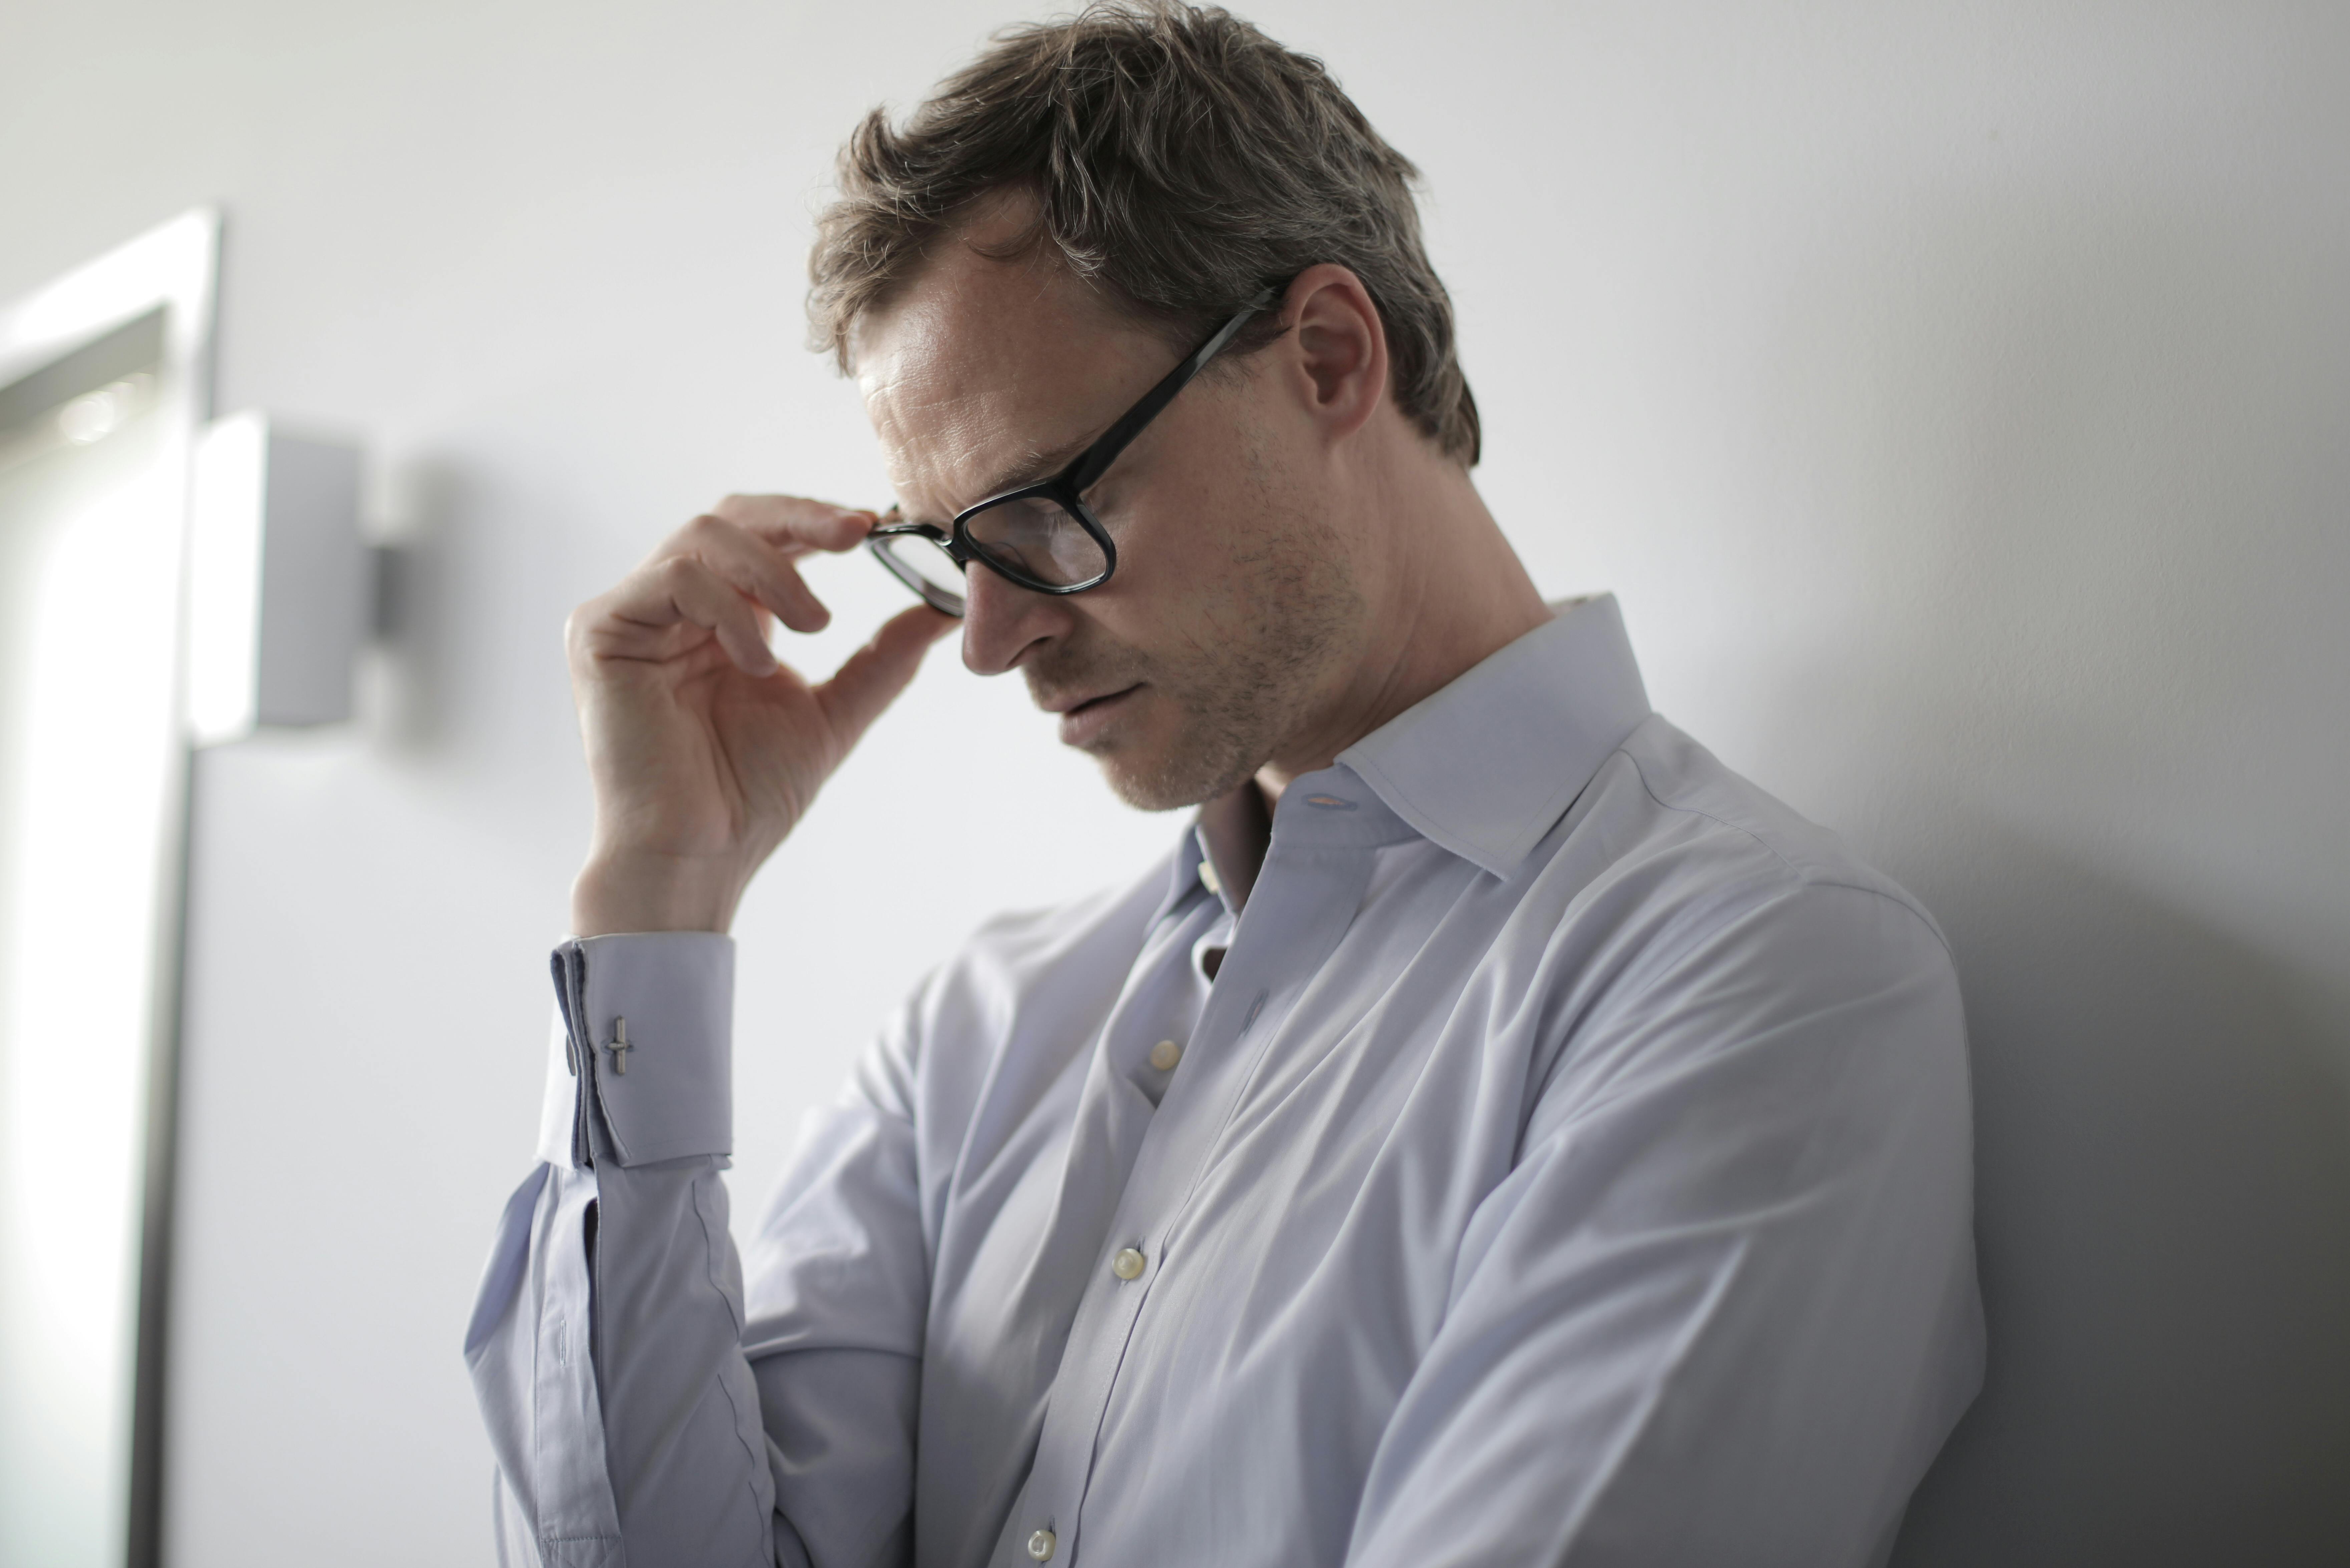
x=1165, y=1054
x=1040, y=1546
x=1127, y=1265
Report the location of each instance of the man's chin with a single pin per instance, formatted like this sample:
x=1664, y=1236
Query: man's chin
x=1157, y=753
x=1142, y=791
x=1152, y=778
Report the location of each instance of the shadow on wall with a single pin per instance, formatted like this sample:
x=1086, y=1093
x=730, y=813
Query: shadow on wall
x=415, y=574
x=2164, y=1217
x=2079, y=465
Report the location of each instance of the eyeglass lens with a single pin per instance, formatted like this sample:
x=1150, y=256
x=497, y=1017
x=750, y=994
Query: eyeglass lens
x=1034, y=537
x=924, y=565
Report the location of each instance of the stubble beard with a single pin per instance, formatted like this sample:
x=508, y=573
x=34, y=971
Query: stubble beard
x=1245, y=690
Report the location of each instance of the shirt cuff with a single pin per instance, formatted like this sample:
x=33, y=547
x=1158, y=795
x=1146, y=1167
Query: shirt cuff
x=641, y=1067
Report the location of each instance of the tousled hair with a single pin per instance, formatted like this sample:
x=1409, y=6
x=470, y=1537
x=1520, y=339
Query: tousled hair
x=1177, y=159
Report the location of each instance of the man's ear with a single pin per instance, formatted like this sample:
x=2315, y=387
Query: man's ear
x=1336, y=346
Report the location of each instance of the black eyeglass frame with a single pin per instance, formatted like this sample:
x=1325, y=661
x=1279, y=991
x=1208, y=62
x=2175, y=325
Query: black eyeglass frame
x=1066, y=489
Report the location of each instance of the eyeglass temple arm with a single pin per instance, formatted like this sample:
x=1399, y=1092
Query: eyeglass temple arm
x=1095, y=461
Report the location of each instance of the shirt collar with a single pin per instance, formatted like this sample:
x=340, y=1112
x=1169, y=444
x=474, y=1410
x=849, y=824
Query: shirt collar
x=1486, y=765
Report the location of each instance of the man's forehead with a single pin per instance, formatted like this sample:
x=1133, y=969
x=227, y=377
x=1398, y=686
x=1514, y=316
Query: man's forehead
x=983, y=368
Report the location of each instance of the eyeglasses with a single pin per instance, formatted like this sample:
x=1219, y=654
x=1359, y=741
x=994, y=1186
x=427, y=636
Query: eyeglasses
x=1042, y=536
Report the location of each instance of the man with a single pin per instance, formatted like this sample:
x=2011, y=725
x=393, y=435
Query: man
x=1496, y=1134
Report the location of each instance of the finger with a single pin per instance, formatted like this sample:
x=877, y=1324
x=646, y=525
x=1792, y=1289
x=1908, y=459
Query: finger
x=797, y=525
x=757, y=568
x=876, y=673
x=683, y=588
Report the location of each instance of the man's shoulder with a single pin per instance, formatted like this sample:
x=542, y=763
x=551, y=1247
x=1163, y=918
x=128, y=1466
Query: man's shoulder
x=1703, y=919
x=1077, y=940
x=1706, y=835
x=1015, y=977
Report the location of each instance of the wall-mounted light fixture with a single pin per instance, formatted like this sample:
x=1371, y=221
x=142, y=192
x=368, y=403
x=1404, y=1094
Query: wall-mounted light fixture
x=280, y=580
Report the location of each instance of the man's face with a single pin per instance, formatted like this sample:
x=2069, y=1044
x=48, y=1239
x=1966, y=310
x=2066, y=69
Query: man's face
x=1233, y=614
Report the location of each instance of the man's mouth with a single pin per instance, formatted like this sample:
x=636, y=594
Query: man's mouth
x=1083, y=721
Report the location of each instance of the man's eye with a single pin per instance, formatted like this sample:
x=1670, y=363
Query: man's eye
x=1108, y=502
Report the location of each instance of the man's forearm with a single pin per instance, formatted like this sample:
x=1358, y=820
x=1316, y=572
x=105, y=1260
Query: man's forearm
x=612, y=1380
x=605, y=1350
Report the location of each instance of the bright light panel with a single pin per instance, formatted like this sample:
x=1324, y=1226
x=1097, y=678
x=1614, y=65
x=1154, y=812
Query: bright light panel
x=98, y=772
x=88, y=842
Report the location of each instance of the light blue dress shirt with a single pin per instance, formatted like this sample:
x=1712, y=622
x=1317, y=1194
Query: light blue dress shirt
x=1568, y=1163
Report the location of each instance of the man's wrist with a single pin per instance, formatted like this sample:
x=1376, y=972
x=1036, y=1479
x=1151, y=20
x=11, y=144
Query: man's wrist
x=621, y=892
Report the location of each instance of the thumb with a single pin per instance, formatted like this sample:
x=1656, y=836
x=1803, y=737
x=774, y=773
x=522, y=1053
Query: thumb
x=872, y=677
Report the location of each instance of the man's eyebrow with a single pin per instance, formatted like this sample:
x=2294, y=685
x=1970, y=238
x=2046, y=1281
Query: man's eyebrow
x=1032, y=467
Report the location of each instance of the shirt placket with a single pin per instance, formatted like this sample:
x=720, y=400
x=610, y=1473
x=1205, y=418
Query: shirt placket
x=1306, y=895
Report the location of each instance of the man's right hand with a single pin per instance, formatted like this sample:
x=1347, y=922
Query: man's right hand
x=704, y=749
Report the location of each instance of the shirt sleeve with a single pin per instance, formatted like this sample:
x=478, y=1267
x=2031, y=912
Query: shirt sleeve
x=608, y=1344
x=1722, y=1309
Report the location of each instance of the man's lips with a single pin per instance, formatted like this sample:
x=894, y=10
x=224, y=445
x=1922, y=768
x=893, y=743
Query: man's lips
x=1072, y=704
x=1083, y=721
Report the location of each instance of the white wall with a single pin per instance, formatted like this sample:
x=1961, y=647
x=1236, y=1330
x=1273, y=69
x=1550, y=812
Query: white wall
x=1959, y=397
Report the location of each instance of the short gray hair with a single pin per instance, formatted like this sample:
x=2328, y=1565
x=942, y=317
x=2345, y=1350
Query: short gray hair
x=1179, y=158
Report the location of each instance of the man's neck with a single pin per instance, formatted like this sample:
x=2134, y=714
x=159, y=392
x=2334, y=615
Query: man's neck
x=1236, y=829
x=1445, y=592
x=1451, y=593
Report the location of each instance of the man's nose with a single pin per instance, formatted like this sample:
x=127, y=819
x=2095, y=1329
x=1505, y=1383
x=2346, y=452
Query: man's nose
x=1003, y=621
